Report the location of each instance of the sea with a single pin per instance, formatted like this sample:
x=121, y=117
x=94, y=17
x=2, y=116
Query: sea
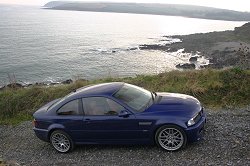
x=41, y=45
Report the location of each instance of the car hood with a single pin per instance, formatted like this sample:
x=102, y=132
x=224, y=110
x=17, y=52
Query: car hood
x=174, y=104
x=176, y=99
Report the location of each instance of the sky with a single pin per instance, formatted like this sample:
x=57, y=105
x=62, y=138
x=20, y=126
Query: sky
x=240, y=5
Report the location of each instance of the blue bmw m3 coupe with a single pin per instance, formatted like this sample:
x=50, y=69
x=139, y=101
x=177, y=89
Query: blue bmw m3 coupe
x=120, y=113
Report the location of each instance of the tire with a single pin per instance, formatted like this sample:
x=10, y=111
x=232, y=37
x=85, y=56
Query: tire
x=61, y=141
x=171, y=138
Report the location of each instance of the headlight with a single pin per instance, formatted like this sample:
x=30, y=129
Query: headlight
x=193, y=120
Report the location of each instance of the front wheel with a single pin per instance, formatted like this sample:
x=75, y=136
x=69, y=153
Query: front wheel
x=171, y=137
x=61, y=141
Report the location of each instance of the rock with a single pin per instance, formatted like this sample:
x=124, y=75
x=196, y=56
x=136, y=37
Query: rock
x=69, y=81
x=113, y=51
x=53, y=83
x=174, y=49
x=193, y=59
x=40, y=84
x=27, y=85
x=133, y=48
x=14, y=85
x=153, y=47
x=225, y=52
x=213, y=60
x=81, y=80
x=185, y=66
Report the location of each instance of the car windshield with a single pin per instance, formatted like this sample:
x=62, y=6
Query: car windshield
x=135, y=97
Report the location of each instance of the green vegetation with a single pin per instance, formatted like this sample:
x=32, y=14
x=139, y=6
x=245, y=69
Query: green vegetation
x=214, y=88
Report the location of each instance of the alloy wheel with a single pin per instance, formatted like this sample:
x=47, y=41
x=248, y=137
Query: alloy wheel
x=171, y=138
x=60, y=141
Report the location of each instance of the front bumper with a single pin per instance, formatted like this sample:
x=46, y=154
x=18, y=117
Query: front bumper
x=195, y=133
x=42, y=134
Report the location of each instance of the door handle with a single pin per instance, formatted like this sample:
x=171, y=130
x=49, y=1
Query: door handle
x=87, y=120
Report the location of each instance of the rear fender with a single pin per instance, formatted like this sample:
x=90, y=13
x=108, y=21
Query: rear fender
x=54, y=127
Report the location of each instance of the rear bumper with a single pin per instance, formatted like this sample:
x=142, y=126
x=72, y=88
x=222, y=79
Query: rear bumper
x=42, y=134
x=195, y=133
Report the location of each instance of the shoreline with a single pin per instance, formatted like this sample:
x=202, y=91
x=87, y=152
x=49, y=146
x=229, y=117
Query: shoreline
x=23, y=85
x=221, y=50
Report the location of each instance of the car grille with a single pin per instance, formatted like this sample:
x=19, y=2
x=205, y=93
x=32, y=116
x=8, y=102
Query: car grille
x=201, y=110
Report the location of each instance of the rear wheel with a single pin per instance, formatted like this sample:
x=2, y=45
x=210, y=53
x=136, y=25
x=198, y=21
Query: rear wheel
x=171, y=137
x=61, y=141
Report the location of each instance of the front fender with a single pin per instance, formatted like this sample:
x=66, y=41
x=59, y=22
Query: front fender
x=173, y=121
x=170, y=121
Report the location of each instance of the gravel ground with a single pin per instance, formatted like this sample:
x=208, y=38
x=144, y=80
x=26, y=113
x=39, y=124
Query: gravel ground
x=226, y=142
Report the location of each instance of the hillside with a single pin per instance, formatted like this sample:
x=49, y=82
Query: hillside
x=155, y=9
x=214, y=88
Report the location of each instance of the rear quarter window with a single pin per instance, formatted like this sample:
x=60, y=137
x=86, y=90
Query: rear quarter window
x=70, y=108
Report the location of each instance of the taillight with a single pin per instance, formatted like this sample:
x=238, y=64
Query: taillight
x=34, y=122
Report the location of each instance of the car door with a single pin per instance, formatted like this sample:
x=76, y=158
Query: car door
x=106, y=121
x=70, y=116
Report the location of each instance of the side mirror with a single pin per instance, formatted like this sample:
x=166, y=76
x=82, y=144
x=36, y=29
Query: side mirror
x=124, y=114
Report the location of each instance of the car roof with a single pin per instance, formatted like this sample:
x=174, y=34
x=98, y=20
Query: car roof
x=99, y=89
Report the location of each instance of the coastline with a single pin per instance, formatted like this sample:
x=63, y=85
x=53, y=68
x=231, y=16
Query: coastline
x=16, y=85
x=222, y=49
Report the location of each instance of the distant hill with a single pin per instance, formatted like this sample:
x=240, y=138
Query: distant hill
x=153, y=8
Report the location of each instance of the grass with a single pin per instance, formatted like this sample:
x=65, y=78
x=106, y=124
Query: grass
x=214, y=88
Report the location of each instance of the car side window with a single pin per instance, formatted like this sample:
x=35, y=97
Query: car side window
x=70, y=108
x=101, y=106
